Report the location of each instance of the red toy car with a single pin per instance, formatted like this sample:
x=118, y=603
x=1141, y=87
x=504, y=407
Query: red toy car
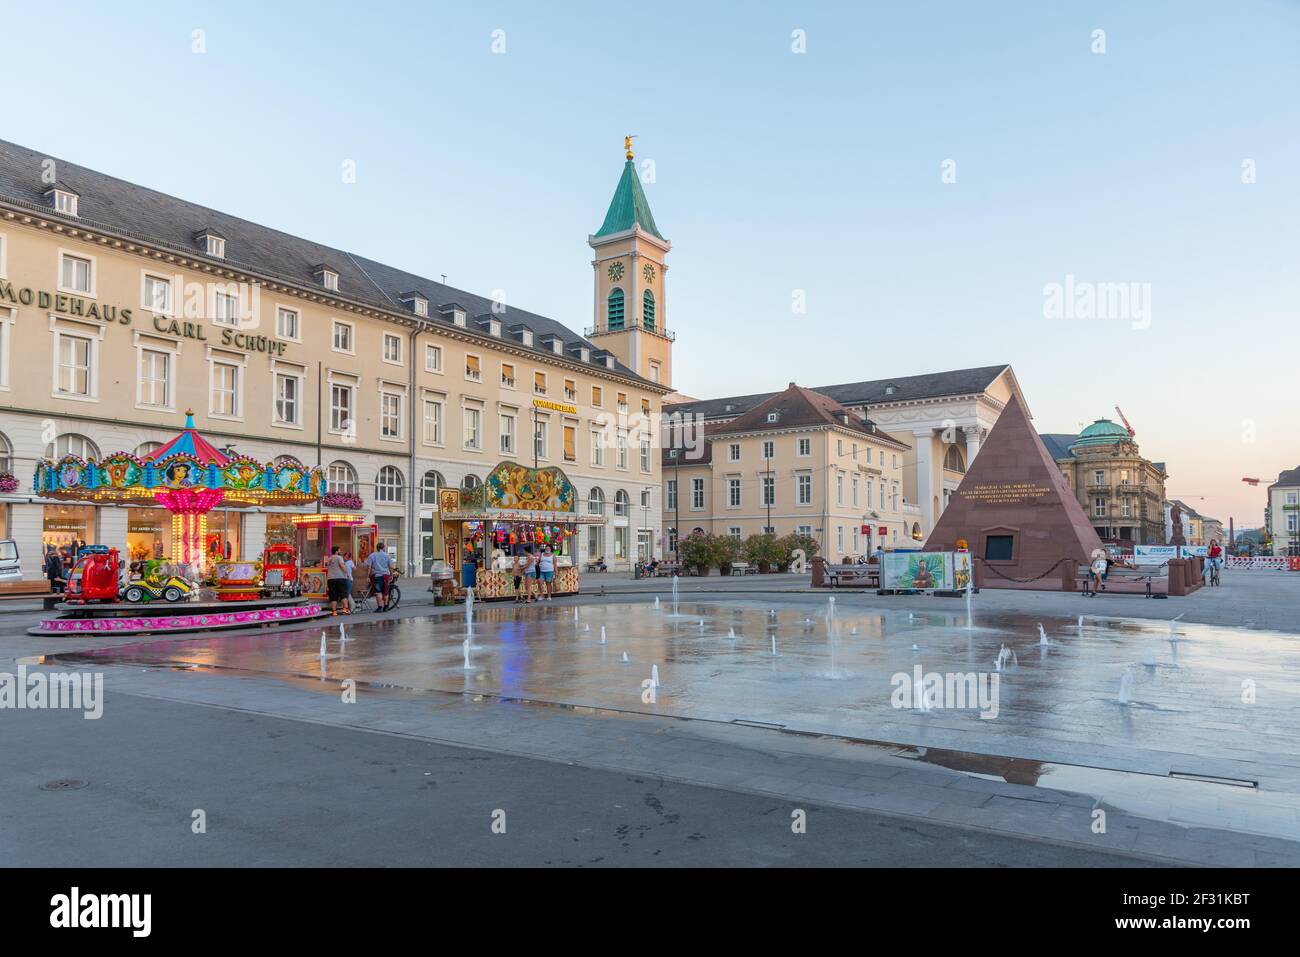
x=280, y=569
x=95, y=577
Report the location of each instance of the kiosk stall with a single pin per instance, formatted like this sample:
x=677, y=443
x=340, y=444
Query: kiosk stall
x=318, y=534
x=481, y=530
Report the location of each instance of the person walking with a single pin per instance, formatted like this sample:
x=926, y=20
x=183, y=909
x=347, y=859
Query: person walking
x=352, y=574
x=517, y=569
x=546, y=573
x=380, y=564
x=337, y=581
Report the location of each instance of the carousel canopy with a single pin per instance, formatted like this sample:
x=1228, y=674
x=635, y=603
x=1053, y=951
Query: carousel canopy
x=187, y=473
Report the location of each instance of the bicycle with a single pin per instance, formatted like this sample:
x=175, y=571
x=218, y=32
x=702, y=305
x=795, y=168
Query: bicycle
x=363, y=601
x=1214, y=571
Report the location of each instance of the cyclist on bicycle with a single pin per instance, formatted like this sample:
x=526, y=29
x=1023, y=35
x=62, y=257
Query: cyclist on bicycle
x=381, y=565
x=1213, y=560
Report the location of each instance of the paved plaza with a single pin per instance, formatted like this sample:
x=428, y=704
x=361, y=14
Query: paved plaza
x=770, y=699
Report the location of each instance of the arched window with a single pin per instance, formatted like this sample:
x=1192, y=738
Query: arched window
x=6, y=454
x=429, y=486
x=341, y=477
x=953, y=461
x=614, y=310
x=470, y=482
x=595, y=502
x=388, y=484
x=144, y=448
x=621, y=502
x=287, y=460
x=72, y=444
x=648, y=310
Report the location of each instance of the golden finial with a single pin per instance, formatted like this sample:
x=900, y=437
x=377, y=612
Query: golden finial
x=627, y=145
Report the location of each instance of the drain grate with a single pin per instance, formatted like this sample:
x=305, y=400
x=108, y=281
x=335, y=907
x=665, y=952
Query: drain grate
x=64, y=784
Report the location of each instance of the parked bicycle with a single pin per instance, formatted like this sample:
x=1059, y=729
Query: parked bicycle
x=368, y=600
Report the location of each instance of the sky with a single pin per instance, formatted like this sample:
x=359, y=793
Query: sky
x=853, y=190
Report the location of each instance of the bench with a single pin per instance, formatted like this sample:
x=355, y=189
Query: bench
x=1122, y=581
x=665, y=569
x=853, y=576
x=743, y=568
x=593, y=567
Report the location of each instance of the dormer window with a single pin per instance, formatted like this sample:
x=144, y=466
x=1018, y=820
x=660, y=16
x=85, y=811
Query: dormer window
x=63, y=199
x=891, y=389
x=584, y=353
x=494, y=328
x=554, y=343
x=525, y=335
x=419, y=305
x=327, y=276
x=211, y=242
x=773, y=416
x=609, y=360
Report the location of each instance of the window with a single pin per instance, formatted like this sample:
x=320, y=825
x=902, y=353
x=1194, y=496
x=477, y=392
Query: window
x=597, y=396
x=432, y=358
x=429, y=486
x=855, y=491
x=433, y=422
x=839, y=539
x=77, y=275
x=341, y=408
x=1099, y=477
x=645, y=455
x=65, y=202
x=839, y=446
x=225, y=309
x=343, y=337
x=654, y=371
x=614, y=311
x=733, y=492
x=472, y=419
x=470, y=482
x=622, y=402
x=1292, y=497
x=596, y=502
x=72, y=444
x=158, y=294
x=286, y=398
x=1292, y=522
x=1125, y=508
x=155, y=378
x=570, y=443
x=76, y=374
x=621, y=503
x=341, y=477
x=645, y=406
x=473, y=369
x=1123, y=476
x=1099, y=507
x=805, y=448
x=671, y=504
x=539, y=383
x=804, y=530
x=871, y=491
x=773, y=417
x=734, y=532
x=570, y=390
x=998, y=548
x=216, y=246
x=733, y=452
x=225, y=389
x=645, y=498
x=390, y=415
x=697, y=493
x=597, y=448
x=769, y=490
x=388, y=484
x=507, y=433
x=803, y=488
x=839, y=489
x=539, y=436
x=621, y=461
x=952, y=460
x=329, y=279
x=392, y=348
x=648, y=310
x=769, y=450
x=286, y=323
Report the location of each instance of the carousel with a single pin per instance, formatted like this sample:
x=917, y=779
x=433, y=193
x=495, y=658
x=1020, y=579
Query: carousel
x=188, y=477
x=480, y=530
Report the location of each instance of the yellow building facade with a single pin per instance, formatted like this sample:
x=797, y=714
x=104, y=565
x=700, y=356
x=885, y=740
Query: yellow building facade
x=122, y=308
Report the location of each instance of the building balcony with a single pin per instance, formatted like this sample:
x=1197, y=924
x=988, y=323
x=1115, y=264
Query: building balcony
x=661, y=333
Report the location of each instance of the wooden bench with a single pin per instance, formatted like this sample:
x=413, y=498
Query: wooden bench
x=1123, y=581
x=664, y=569
x=593, y=567
x=853, y=576
x=743, y=568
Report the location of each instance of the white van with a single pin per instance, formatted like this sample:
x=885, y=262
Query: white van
x=11, y=569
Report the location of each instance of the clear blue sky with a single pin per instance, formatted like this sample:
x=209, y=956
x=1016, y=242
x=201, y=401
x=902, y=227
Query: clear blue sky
x=775, y=172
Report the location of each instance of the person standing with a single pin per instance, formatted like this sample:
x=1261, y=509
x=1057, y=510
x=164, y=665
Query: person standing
x=54, y=570
x=530, y=574
x=517, y=569
x=336, y=581
x=352, y=574
x=379, y=565
x=546, y=573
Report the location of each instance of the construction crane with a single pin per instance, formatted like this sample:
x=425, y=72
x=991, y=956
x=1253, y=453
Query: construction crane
x=1131, y=433
x=1251, y=481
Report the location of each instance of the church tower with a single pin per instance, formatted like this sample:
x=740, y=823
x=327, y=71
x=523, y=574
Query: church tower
x=631, y=307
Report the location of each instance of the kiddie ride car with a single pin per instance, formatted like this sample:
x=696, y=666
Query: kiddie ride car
x=171, y=588
x=280, y=570
x=95, y=576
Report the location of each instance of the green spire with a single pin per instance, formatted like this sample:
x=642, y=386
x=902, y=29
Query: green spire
x=629, y=206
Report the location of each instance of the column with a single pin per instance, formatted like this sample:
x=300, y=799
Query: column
x=973, y=436
x=112, y=529
x=253, y=536
x=26, y=525
x=924, y=440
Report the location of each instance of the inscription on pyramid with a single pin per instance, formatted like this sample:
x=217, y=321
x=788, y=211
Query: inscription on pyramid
x=1014, y=509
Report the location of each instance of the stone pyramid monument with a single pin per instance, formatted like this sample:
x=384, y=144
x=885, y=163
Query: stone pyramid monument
x=1015, y=511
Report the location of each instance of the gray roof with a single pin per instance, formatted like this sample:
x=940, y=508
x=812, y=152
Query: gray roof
x=1058, y=444
x=873, y=392
x=1287, y=478
x=145, y=214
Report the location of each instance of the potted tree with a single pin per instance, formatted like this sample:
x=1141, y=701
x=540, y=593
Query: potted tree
x=698, y=550
x=764, y=551
x=788, y=543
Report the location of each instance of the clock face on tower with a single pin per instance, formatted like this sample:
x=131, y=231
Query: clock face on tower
x=648, y=271
x=615, y=272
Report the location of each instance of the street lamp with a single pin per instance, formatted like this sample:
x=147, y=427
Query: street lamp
x=645, y=512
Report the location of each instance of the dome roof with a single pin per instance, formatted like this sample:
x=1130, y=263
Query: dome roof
x=1101, y=432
